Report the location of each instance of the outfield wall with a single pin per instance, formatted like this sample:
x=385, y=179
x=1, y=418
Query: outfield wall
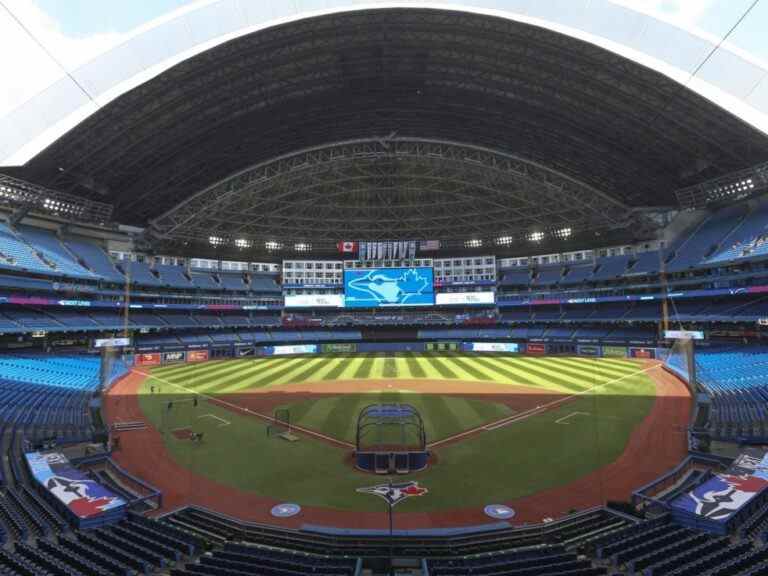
x=155, y=356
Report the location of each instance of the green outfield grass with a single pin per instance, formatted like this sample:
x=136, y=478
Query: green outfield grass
x=550, y=449
x=233, y=376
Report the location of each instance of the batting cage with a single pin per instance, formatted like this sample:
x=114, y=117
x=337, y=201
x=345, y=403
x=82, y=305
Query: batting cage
x=390, y=439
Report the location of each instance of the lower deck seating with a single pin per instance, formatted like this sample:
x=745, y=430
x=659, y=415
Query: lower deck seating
x=735, y=380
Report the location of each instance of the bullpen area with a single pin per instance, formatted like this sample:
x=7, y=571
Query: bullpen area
x=540, y=435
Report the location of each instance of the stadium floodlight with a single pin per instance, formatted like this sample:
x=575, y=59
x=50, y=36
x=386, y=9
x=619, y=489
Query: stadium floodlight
x=302, y=247
x=536, y=236
x=563, y=233
x=215, y=240
x=473, y=243
x=243, y=243
x=504, y=240
x=272, y=245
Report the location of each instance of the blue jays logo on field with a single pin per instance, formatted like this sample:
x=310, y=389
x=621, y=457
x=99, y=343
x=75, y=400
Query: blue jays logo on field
x=395, y=493
x=722, y=495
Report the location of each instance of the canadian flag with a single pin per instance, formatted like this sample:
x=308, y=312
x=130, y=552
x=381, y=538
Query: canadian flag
x=347, y=246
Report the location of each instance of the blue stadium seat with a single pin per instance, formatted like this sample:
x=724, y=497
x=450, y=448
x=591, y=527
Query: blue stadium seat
x=95, y=259
x=173, y=276
x=610, y=267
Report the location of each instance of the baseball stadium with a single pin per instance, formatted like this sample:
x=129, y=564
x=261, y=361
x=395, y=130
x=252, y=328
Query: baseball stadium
x=374, y=288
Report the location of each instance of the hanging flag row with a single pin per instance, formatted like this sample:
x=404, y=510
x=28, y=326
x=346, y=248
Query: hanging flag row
x=388, y=250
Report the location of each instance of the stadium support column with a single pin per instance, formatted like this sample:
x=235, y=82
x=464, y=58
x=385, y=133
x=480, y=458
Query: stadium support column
x=105, y=369
x=689, y=348
x=391, y=530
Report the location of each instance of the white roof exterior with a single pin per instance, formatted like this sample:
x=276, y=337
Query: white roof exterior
x=731, y=78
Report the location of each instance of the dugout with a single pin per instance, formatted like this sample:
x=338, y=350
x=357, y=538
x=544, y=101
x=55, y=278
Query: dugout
x=390, y=439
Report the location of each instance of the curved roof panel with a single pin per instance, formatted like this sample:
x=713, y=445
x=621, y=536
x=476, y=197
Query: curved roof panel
x=730, y=77
x=469, y=77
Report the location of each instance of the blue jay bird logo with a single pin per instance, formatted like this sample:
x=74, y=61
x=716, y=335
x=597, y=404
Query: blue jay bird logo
x=383, y=287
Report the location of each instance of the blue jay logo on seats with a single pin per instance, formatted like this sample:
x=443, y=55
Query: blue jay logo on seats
x=85, y=498
x=723, y=495
x=396, y=492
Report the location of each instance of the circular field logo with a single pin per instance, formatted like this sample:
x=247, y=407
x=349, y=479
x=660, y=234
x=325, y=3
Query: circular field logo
x=285, y=510
x=499, y=511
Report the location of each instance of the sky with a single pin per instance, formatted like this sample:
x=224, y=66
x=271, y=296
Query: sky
x=87, y=25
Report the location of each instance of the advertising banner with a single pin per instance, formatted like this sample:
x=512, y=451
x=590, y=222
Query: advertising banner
x=464, y=298
x=342, y=348
x=314, y=300
x=377, y=287
x=173, y=357
x=642, y=353
x=493, y=346
x=615, y=351
x=153, y=359
x=290, y=349
x=588, y=350
x=441, y=346
x=197, y=356
x=683, y=334
x=245, y=351
x=84, y=497
x=111, y=342
x=536, y=348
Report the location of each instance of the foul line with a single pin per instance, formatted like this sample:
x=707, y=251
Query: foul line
x=564, y=418
x=249, y=411
x=222, y=420
x=534, y=411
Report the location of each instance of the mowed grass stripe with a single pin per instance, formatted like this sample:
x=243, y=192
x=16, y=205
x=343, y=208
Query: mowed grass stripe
x=202, y=371
x=571, y=379
x=323, y=371
x=594, y=365
x=335, y=372
x=294, y=375
x=389, y=369
x=306, y=370
x=441, y=368
x=204, y=377
x=174, y=369
x=546, y=379
x=245, y=374
x=583, y=374
x=351, y=368
x=444, y=420
x=342, y=418
x=258, y=378
x=590, y=373
x=377, y=368
x=470, y=367
x=512, y=376
x=414, y=367
x=365, y=367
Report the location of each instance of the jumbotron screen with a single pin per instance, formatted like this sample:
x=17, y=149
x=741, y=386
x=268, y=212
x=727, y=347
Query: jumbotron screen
x=377, y=287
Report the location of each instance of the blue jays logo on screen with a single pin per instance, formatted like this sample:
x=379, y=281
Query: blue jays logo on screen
x=395, y=493
x=721, y=496
x=388, y=287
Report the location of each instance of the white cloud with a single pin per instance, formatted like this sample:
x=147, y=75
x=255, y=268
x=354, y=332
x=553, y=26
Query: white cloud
x=28, y=65
x=687, y=13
